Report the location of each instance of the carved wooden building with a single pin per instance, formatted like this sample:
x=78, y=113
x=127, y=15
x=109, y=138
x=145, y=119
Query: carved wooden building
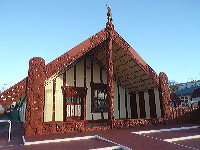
x=103, y=79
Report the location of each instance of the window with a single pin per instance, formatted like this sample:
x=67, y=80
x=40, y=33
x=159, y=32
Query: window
x=74, y=99
x=99, y=97
x=100, y=100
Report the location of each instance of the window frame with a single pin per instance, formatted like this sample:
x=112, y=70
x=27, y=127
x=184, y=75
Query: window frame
x=98, y=86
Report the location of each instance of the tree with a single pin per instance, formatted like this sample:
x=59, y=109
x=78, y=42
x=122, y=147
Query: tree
x=173, y=85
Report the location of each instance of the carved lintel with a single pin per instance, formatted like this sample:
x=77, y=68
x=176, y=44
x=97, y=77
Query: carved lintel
x=71, y=91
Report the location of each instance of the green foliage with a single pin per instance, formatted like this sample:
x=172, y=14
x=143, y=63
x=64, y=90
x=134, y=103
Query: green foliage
x=173, y=85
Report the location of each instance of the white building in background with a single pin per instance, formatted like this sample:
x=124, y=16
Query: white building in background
x=185, y=93
x=189, y=84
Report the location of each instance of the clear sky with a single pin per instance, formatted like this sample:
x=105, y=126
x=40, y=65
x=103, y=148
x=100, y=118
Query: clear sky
x=165, y=33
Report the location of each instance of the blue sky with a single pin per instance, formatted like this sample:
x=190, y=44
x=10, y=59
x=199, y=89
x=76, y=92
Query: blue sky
x=165, y=33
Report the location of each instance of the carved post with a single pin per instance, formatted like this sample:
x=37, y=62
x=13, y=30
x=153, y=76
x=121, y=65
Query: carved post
x=110, y=82
x=165, y=95
x=35, y=98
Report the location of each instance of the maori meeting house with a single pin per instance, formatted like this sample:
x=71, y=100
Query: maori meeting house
x=100, y=84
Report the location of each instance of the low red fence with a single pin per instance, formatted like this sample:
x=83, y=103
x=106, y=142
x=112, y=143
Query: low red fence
x=184, y=115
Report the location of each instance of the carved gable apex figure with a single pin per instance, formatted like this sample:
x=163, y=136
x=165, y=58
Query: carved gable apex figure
x=109, y=14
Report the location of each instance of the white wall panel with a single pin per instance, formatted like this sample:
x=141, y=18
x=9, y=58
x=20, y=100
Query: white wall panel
x=122, y=102
x=88, y=96
x=59, y=99
x=147, y=107
x=104, y=75
x=80, y=74
x=70, y=77
x=96, y=73
x=157, y=102
x=116, y=101
x=138, y=106
x=48, y=108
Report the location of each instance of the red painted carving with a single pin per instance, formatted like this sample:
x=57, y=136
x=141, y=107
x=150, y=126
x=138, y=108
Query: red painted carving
x=97, y=128
x=13, y=93
x=69, y=57
x=175, y=99
x=152, y=74
x=137, y=122
x=74, y=91
x=35, y=98
x=165, y=95
x=110, y=75
x=62, y=127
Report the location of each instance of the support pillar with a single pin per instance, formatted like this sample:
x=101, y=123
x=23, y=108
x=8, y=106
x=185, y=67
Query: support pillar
x=165, y=96
x=110, y=75
x=35, y=97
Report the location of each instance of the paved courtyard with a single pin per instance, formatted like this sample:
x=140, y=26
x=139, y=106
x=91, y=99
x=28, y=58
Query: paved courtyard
x=162, y=137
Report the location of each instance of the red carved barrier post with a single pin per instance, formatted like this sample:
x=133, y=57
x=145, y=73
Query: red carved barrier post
x=110, y=82
x=165, y=95
x=35, y=99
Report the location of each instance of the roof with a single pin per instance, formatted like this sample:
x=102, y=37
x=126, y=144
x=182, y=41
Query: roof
x=196, y=93
x=187, y=91
x=129, y=68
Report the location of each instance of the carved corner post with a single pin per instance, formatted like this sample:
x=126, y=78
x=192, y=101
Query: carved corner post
x=165, y=96
x=110, y=82
x=35, y=98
